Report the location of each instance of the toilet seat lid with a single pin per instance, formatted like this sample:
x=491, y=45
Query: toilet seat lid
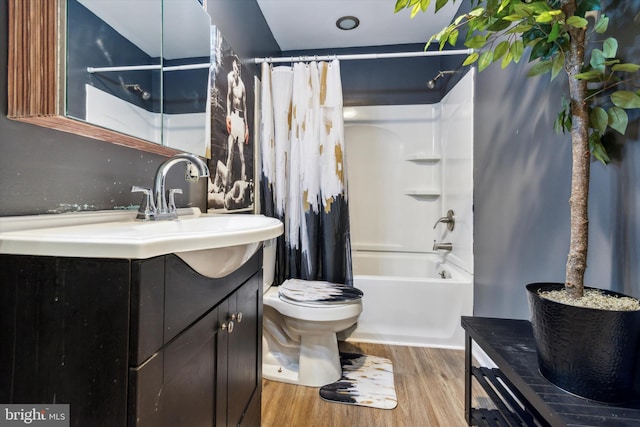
x=318, y=292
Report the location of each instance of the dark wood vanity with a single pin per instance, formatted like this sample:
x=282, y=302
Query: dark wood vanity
x=132, y=342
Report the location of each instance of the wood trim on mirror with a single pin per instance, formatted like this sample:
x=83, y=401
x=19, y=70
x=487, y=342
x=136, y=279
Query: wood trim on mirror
x=36, y=78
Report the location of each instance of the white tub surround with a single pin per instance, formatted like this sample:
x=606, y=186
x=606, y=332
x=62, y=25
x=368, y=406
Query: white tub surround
x=418, y=162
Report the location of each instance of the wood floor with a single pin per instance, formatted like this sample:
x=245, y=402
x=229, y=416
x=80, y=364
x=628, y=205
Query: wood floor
x=429, y=386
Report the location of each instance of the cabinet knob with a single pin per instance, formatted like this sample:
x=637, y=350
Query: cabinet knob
x=227, y=326
x=237, y=317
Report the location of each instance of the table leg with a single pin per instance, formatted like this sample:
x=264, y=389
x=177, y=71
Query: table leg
x=467, y=378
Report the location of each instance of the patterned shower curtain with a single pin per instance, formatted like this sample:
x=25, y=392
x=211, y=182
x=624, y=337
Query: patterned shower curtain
x=303, y=170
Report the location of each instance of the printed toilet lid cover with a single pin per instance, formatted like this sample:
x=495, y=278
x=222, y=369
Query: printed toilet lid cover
x=318, y=292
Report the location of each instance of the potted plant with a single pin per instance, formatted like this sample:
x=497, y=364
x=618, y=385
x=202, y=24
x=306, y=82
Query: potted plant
x=589, y=351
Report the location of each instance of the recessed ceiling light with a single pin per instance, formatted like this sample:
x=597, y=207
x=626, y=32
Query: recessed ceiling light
x=347, y=23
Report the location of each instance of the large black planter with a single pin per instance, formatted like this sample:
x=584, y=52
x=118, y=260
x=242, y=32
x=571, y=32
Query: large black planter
x=588, y=352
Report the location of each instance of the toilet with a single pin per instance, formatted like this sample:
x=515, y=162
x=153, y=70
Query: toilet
x=301, y=319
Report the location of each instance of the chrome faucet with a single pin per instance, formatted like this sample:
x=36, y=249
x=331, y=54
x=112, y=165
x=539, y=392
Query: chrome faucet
x=443, y=246
x=160, y=204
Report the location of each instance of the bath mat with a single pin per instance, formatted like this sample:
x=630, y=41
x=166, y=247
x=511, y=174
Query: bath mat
x=366, y=381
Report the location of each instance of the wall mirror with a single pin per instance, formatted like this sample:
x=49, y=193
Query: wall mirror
x=114, y=70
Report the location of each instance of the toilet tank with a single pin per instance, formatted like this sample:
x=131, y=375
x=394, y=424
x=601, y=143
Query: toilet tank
x=268, y=263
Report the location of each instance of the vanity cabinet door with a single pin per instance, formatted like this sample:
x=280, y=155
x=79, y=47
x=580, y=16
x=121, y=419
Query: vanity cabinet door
x=177, y=386
x=209, y=374
x=245, y=354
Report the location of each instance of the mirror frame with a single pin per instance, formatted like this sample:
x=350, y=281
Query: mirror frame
x=36, y=73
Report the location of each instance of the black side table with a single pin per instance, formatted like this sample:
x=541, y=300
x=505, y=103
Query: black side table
x=519, y=392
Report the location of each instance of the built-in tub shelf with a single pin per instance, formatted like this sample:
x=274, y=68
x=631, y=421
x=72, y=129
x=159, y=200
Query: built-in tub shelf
x=422, y=192
x=423, y=158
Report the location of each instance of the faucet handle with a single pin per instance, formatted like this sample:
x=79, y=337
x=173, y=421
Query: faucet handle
x=147, y=208
x=172, y=198
x=450, y=220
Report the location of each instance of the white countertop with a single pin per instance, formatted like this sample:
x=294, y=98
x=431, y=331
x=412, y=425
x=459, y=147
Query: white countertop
x=117, y=235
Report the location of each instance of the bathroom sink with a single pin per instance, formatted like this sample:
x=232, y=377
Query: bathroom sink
x=214, y=245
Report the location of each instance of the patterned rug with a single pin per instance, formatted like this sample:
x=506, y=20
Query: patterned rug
x=366, y=381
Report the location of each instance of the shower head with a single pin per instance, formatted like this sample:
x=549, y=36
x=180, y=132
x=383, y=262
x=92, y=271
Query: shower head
x=139, y=91
x=431, y=84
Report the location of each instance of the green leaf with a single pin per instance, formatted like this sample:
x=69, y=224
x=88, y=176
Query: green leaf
x=499, y=25
x=401, y=4
x=602, y=24
x=544, y=18
x=431, y=39
x=618, y=119
x=610, y=47
x=424, y=5
x=476, y=42
x=577, y=21
x=558, y=65
x=597, y=149
x=522, y=10
x=478, y=11
x=591, y=76
x=415, y=10
x=628, y=68
x=520, y=28
x=473, y=57
x=512, y=18
x=563, y=120
x=557, y=124
x=625, y=99
x=453, y=37
x=597, y=60
x=486, y=58
x=459, y=19
x=599, y=119
x=506, y=60
x=440, y=4
x=540, y=50
x=443, y=39
x=539, y=68
x=555, y=31
x=500, y=50
x=538, y=7
x=503, y=4
x=516, y=49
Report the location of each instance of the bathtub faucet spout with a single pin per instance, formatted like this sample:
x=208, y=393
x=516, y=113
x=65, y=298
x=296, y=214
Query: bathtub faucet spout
x=443, y=246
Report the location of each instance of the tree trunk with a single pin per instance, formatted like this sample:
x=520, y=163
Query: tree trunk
x=581, y=157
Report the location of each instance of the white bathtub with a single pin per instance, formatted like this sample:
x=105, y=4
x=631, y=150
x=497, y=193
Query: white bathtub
x=408, y=302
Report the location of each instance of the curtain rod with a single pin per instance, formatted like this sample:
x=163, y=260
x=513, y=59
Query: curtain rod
x=363, y=56
x=93, y=70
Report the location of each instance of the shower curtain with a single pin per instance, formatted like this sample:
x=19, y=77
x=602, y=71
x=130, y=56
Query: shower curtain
x=303, y=179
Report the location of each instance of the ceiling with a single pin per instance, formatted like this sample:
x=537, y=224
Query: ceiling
x=311, y=24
